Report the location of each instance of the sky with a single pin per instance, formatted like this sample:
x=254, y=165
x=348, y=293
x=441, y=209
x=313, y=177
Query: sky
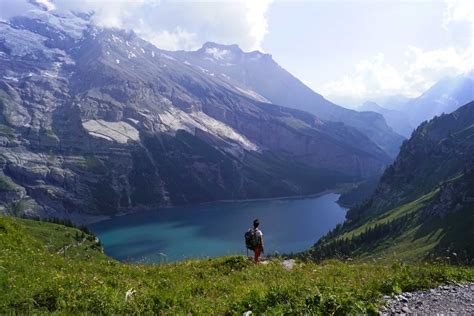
x=349, y=51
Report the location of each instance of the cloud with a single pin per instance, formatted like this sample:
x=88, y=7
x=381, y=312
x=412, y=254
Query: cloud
x=171, y=39
x=48, y=5
x=256, y=20
x=183, y=24
x=374, y=77
x=10, y=8
x=169, y=24
x=458, y=11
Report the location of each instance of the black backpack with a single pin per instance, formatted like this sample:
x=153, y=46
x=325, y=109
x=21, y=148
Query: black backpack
x=251, y=239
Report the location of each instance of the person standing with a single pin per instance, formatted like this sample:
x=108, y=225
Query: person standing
x=254, y=240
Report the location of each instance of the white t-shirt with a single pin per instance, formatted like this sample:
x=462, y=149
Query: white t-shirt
x=259, y=233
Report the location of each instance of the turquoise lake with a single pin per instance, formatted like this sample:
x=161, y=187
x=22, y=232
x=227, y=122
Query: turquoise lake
x=217, y=228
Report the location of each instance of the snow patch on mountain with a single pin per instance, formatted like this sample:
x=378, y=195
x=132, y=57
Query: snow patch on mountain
x=121, y=132
x=254, y=95
x=217, y=54
x=167, y=56
x=116, y=39
x=21, y=43
x=10, y=78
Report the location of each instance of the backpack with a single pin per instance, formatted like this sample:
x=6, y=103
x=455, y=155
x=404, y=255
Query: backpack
x=251, y=239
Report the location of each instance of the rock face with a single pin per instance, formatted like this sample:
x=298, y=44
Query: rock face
x=98, y=121
x=454, y=195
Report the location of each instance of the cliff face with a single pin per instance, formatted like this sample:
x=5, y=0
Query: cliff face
x=98, y=121
x=453, y=196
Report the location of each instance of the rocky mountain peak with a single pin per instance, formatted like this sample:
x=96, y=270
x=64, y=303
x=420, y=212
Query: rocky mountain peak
x=230, y=47
x=229, y=52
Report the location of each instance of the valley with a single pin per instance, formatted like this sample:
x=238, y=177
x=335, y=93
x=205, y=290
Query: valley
x=139, y=141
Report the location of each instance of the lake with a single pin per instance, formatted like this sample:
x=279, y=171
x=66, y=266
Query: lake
x=217, y=228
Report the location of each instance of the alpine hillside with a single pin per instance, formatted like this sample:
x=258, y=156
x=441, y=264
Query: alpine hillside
x=423, y=206
x=48, y=268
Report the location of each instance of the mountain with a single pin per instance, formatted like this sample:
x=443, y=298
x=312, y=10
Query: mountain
x=392, y=102
x=445, y=96
x=258, y=73
x=395, y=119
x=423, y=206
x=98, y=121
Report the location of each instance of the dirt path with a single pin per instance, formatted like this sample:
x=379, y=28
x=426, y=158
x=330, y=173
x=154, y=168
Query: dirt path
x=63, y=249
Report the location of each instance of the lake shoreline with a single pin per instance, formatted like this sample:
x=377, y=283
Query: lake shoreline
x=92, y=219
x=287, y=197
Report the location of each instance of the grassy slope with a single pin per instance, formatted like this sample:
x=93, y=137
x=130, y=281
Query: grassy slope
x=421, y=238
x=391, y=215
x=34, y=277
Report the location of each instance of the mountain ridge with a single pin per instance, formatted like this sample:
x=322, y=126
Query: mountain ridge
x=260, y=73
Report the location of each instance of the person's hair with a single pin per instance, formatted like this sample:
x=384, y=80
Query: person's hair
x=256, y=222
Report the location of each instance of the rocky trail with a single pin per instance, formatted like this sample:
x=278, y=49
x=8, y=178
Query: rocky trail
x=444, y=300
x=65, y=248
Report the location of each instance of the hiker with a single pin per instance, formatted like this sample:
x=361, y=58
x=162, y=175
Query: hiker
x=254, y=240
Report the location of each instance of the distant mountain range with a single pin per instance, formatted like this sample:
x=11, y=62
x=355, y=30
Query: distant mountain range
x=396, y=119
x=423, y=205
x=445, y=96
x=98, y=121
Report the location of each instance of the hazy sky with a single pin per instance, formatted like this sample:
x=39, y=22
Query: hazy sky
x=370, y=48
x=349, y=51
